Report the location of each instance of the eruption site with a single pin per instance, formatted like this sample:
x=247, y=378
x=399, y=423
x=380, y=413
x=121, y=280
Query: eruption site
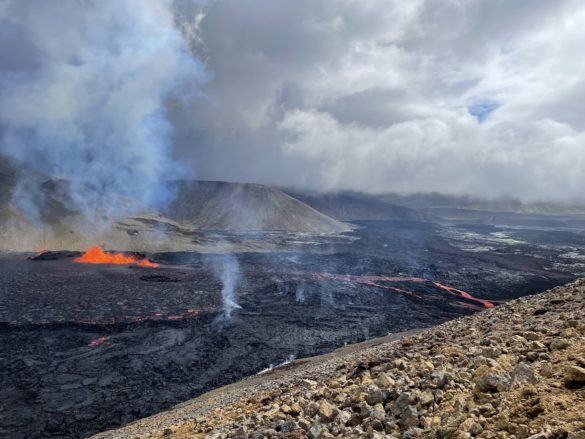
x=97, y=255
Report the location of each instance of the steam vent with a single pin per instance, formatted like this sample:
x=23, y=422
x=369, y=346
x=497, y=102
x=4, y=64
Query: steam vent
x=304, y=220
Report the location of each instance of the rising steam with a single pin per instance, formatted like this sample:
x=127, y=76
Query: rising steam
x=88, y=103
x=227, y=269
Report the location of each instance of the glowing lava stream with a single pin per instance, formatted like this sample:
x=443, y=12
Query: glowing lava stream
x=460, y=293
x=97, y=255
x=375, y=282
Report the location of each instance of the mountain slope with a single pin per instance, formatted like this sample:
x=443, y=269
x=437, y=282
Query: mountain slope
x=238, y=207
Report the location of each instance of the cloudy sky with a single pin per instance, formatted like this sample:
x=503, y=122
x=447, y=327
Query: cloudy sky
x=457, y=96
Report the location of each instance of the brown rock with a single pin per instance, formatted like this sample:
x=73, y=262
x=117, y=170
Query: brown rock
x=295, y=409
x=384, y=381
x=470, y=426
x=426, y=398
x=379, y=413
x=327, y=411
x=574, y=377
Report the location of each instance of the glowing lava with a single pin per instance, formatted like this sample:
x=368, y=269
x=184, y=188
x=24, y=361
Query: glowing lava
x=98, y=341
x=97, y=255
x=468, y=300
x=456, y=292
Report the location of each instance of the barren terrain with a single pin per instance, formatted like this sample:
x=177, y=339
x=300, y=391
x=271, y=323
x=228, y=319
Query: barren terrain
x=517, y=371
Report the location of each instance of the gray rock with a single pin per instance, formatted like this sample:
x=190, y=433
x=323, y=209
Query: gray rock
x=241, y=433
x=343, y=417
x=312, y=409
x=493, y=381
x=354, y=420
x=439, y=378
x=375, y=396
x=315, y=431
x=413, y=433
x=403, y=401
x=409, y=417
x=523, y=374
x=288, y=427
x=532, y=336
x=559, y=344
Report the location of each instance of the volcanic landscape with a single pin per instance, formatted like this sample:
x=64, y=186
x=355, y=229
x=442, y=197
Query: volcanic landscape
x=94, y=346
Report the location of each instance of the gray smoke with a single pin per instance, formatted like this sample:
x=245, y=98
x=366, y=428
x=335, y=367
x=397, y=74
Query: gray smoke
x=300, y=295
x=84, y=92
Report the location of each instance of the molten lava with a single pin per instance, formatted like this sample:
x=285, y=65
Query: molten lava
x=456, y=292
x=466, y=300
x=98, y=341
x=97, y=255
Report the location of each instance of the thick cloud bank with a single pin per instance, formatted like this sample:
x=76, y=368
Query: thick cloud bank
x=83, y=92
x=460, y=96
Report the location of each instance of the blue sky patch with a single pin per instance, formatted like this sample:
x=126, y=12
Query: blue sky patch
x=482, y=110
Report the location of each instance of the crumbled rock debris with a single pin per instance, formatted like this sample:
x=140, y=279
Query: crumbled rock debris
x=514, y=372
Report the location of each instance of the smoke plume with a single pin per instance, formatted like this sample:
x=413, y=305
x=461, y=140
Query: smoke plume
x=84, y=91
x=227, y=269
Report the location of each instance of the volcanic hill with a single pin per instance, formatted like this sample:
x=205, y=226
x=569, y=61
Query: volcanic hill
x=37, y=212
x=517, y=371
x=241, y=207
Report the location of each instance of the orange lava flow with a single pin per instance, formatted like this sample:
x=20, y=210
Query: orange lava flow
x=468, y=296
x=378, y=281
x=97, y=255
x=98, y=341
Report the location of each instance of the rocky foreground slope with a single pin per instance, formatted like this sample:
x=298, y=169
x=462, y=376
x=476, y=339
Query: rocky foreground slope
x=514, y=372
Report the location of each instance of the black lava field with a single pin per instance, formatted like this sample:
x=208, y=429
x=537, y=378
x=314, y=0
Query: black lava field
x=91, y=347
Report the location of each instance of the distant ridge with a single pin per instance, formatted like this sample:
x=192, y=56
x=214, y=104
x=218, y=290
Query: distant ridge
x=354, y=206
x=434, y=200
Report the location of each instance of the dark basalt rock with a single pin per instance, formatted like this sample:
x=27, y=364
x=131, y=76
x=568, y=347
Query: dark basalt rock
x=158, y=278
x=55, y=255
